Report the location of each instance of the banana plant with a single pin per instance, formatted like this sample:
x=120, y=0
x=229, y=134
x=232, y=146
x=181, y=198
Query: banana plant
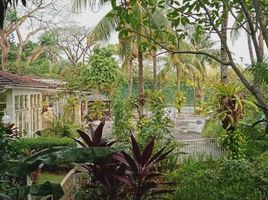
x=52, y=156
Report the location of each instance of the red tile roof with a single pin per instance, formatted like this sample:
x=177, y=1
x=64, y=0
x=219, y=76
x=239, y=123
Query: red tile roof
x=8, y=79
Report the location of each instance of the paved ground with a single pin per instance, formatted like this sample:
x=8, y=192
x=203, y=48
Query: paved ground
x=186, y=126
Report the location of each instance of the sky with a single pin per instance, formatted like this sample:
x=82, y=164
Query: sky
x=238, y=47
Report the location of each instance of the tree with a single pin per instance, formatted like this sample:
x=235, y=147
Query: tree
x=3, y=8
x=103, y=73
x=31, y=18
x=211, y=22
x=204, y=14
x=223, y=30
x=72, y=40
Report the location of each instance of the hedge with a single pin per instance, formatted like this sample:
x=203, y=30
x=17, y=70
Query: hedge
x=40, y=143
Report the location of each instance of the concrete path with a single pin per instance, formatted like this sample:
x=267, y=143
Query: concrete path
x=188, y=127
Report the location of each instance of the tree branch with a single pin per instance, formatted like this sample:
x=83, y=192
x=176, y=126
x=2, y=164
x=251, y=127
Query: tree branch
x=174, y=51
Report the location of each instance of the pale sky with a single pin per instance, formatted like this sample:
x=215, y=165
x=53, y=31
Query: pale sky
x=90, y=18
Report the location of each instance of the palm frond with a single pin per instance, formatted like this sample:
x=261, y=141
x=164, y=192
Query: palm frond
x=160, y=20
x=104, y=28
x=260, y=70
x=79, y=5
x=235, y=32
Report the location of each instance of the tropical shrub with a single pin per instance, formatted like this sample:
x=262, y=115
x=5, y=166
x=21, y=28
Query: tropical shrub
x=121, y=175
x=103, y=184
x=39, y=143
x=230, y=104
x=158, y=126
x=141, y=178
x=180, y=100
x=222, y=179
x=103, y=73
x=123, y=119
x=95, y=111
x=213, y=129
x=18, y=169
x=7, y=143
x=94, y=138
x=60, y=128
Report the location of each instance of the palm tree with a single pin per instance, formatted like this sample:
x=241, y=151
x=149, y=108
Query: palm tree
x=110, y=21
x=224, y=56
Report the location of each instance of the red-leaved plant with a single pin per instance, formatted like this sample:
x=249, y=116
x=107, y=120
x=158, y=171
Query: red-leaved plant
x=101, y=172
x=123, y=175
x=94, y=138
x=141, y=177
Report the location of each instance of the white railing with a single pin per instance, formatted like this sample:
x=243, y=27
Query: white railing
x=207, y=146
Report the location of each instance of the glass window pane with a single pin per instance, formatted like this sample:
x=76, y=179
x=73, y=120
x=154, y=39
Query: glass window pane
x=2, y=98
x=26, y=101
x=17, y=101
x=31, y=100
x=2, y=107
x=21, y=102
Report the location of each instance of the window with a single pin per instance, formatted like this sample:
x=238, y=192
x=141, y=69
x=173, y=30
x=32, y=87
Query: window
x=2, y=102
x=21, y=113
x=35, y=113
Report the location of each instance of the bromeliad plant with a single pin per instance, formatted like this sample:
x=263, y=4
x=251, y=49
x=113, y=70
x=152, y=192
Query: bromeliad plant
x=141, y=178
x=231, y=102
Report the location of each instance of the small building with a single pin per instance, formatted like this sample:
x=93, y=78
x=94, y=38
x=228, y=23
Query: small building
x=25, y=99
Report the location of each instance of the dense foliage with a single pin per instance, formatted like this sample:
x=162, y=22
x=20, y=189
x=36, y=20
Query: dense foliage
x=30, y=145
x=222, y=179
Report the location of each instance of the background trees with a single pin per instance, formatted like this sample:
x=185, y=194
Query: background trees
x=36, y=17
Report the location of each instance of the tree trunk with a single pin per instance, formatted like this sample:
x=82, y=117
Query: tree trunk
x=20, y=51
x=4, y=59
x=5, y=47
x=155, y=70
x=178, y=84
x=250, y=48
x=261, y=19
x=35, y=54
x=140, y=84
x=130, y=89
x=224, y=56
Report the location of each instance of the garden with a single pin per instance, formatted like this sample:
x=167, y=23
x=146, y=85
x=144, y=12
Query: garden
x=175, y=107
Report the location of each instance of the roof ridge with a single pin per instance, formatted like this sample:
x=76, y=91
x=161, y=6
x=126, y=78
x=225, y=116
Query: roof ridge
x=6, y=74
x=17, y=80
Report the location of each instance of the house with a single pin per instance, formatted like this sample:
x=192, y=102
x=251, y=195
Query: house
x=27, y=99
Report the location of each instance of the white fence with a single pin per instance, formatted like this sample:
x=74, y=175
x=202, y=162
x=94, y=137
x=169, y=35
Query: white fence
x=195, y=147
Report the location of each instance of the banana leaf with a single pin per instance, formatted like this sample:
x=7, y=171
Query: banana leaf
x=57, y=156
x=41, y=190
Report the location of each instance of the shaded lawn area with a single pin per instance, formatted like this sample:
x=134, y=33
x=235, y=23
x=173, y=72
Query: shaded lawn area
x=55, y=177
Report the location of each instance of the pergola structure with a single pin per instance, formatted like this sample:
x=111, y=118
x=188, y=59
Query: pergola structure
x=101, y=98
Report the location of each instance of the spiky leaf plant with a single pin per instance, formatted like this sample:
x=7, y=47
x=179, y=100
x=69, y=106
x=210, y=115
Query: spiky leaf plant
x=141, y=178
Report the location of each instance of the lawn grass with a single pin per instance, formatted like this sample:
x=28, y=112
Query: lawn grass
x=55, y=177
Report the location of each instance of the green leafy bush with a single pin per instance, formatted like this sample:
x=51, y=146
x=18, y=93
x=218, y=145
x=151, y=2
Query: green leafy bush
x=95, y=111
x=212, y=129
x=123, y=119
x=222, y=179
x=40, y=143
